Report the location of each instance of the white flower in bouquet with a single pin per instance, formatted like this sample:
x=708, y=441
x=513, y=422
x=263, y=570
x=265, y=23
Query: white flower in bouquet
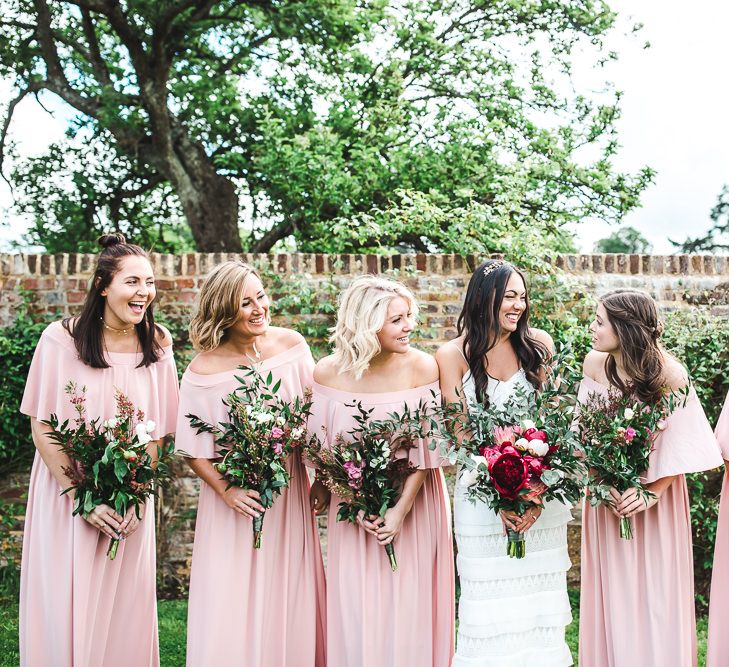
x=263, y=417
x=527, y=424
x=538, y=447
x=142, y=436
x=629, y=413
x=470, y=477
x=522, y=444
x=111, y=423
x=151, y=426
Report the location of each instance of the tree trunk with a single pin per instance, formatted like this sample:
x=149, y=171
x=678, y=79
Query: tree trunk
x=209, y=200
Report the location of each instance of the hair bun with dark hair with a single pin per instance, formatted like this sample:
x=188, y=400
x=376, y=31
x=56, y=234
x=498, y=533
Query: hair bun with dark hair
x=108, y=240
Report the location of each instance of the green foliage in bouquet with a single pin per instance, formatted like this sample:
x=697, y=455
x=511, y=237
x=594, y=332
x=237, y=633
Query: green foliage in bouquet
x=261, y=431
x=365, y=467
x=110, y=463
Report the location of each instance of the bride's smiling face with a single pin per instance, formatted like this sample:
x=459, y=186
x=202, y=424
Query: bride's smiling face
x=513, y=304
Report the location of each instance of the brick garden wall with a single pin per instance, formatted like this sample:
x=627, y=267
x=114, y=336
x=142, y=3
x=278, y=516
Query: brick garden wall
x=57, y=283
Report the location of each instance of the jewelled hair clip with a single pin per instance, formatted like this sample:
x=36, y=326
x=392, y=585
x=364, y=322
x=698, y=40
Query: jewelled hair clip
x=496, y=264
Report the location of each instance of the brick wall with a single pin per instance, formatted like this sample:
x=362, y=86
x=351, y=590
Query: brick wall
x=59, y=282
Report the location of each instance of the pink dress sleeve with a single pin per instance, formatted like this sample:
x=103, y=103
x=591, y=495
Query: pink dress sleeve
x=722, y=430
x=202, y=398
x=48, y=375
x=686, y=445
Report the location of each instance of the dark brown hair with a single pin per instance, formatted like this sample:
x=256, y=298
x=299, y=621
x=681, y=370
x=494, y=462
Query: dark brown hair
x=87, y=331
x=481, y=328
x=634, y=317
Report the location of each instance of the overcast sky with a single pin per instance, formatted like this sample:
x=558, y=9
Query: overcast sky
x=674, y=119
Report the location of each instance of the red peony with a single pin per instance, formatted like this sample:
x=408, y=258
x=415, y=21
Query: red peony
x=509, y=473
x=533, y=434
x=508, y=449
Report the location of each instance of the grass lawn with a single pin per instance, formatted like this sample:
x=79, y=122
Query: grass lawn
x=172, y=620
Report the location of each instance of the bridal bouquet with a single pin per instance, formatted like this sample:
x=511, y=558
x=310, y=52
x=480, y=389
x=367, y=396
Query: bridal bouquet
x=520, y=454
x=365, y=468
x=617, y=434
x=261, y=431
x=110, y=463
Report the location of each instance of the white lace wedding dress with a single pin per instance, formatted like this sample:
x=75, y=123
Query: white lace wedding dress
x=512, y=612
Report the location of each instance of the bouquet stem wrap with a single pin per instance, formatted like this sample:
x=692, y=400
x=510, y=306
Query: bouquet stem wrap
x=113, y=546
x=516, y=544
x=391, y=555
x=257, y=530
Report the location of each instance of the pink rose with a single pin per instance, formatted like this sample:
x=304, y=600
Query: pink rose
x=276, y=432
x=277, y=447
x=629, y=434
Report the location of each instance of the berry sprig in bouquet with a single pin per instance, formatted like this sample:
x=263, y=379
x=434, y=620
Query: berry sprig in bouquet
x=618, y=433
x=261, y=431
x=368, y=466
x=521, y=454
x=110, y=461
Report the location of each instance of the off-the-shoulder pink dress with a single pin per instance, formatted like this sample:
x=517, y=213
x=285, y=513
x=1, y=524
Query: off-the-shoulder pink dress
x=637, y=599
x=255, y=607
x=77, y=607
x=375, y=616
x=717, y=647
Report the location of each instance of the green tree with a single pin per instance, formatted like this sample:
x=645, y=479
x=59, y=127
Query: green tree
x=625, y=240
x=717, y=237
x=310, y=112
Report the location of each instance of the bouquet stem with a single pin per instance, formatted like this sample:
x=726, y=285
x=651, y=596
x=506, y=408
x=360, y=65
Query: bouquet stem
x=516, y=544
x=626, y=528
x=391, y=555
x=257, y=530
x=113, y=546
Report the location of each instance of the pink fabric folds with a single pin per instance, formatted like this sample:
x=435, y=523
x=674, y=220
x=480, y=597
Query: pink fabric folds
x=717, y=648
x=254, y=607
x=377, y=617
x=637, y=598
x=77, y=608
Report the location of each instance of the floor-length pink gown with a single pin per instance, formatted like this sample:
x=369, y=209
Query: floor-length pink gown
x=377, y=617
x=637, y=598
x=717, y=646
x=253, y=607
x=77, y=607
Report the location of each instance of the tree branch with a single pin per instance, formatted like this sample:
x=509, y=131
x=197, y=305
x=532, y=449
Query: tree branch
x=95, y=57
x=268, y=240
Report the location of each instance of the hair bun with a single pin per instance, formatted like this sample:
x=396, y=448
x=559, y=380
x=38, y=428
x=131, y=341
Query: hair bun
x=108, y=240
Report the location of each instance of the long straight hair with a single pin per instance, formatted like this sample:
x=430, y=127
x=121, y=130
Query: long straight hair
x=634, y=318
x=479, y=324
x=87, y=331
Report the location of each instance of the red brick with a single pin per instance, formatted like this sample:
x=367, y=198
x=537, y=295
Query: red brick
x=75, y=296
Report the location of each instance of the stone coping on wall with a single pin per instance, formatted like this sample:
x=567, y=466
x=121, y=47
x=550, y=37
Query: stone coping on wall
x=196, y=264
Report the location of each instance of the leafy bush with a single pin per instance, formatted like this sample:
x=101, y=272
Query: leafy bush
x=17, y=344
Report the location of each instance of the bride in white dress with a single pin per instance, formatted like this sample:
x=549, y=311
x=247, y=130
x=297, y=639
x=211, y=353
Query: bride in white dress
x=512, y=612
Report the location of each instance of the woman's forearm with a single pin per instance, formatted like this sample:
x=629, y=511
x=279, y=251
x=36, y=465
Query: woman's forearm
x=410, y=490
x=56, y=461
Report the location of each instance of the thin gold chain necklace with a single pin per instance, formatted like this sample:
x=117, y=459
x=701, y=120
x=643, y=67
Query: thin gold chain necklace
x=120, y=332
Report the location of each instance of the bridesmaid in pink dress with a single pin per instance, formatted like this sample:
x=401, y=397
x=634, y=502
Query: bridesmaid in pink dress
x=637, y=599
x=78, y=608
x=248, y=607
x=377, y=617
x=717, y=647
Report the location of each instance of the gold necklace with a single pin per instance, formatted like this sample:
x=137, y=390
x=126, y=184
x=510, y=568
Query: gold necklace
x=121, y=332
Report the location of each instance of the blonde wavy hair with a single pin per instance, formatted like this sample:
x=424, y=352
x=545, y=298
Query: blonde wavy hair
x=362, y=313
x=218, y=304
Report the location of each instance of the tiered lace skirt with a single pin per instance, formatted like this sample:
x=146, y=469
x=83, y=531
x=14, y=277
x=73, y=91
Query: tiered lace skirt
x=512, y=612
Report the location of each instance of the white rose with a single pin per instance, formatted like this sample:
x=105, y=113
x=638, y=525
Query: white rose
x=527, y=424
x=522, y=444
x=264, y=417
x=470, y=477
x=538, y=447
x=141, y=430
x=280, y=421
x=297, y=433
x=143, y=438
x=111, y=423
x=629, y=413
x=151, y=426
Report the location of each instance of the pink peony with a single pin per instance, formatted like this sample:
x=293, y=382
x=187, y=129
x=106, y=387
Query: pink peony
x=536, y=435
